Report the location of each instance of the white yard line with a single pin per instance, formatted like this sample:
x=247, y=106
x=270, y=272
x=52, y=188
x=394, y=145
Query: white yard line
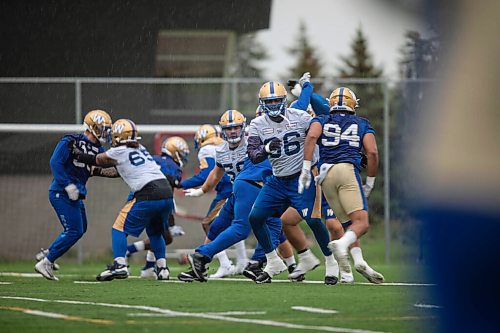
x=427, y=306
x=5, y=282
x=201, y=315
x=55, y=315
x=314, y=310
x=227, y=313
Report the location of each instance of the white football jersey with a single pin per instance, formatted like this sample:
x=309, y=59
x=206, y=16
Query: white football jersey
x=232, y=160
x=292, y=132
x=135, y=165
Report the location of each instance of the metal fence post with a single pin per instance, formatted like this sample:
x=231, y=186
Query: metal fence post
x=78, y=102
x=234, y=94
x=387, y=177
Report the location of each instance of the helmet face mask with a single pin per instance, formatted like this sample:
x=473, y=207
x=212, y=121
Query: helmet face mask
x=98, y=122
x=233, y=125
x=272, y=98
x=177, y=148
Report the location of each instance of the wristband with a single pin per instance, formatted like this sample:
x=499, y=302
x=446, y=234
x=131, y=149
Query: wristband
x=370, y=181
x=306, y=165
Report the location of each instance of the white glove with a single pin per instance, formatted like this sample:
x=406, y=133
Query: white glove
x=72, y=191
x=368, y=187
x=194, y=192
x=306, y=77
x=305, y=177
x=176, y=230
x=296, y=90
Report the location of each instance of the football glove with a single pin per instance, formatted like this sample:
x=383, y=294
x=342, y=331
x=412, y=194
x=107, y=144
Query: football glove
x=306, y=77
x=305, y=176
x=74, y=149
x=176, y=230
x=194, y=192
x=274, y=144
x=72, y=191
x=368, y=187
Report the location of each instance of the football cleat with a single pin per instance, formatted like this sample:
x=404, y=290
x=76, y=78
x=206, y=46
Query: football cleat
x=346, y=277
x=341, y=255
x=223, y=271
x=253, y=270
x=263, y=278
x=148, y=273
x=46, y=268
x=274, y=267
x=162, y=273
x=306, y=264
x=240, y=266
x=42, y=254
x=369, y=273
x=199, y=265
x=331, y=280
x=187, y=276
x=291, y=268
x=114, y=271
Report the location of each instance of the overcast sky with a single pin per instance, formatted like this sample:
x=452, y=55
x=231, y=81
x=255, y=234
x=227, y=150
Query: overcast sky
x=331, y=27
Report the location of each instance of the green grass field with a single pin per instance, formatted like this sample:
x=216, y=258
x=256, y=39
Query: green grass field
x=77, y=303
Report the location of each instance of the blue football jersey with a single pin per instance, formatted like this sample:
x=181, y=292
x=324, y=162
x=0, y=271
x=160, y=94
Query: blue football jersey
x=168, y=166
x=342, y=137
x=255, y=172
x=67, y=170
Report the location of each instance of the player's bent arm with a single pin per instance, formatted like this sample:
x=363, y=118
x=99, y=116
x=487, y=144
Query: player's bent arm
x=213, y=179
x=370, y=146
x=105, y=172
x=312, y=137
x=256, y=150
x=305, y=96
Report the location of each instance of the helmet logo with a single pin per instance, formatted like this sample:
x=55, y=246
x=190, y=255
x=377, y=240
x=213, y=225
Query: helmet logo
x=98, y=119
x=119, y=128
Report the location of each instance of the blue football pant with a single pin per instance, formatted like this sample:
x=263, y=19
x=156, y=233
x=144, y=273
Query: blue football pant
x=232, y=226
x=72, y=217
x=274, y=198
x=136, y=216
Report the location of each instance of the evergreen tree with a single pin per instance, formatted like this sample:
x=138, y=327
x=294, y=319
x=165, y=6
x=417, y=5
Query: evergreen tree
x=307, y=60
x=248, y=54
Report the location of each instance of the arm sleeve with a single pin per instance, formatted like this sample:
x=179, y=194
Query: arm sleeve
x=200, y=177
x=305, y=96
x=256, y=149
x=58, y=161
x=319, y=104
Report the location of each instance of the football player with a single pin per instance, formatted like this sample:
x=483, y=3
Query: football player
x=320, y=105
x=152, y=201
x=206, y=141
x=67, y=190
x=279, y=136
x=341, y=135
x=231, y=225
x=174, y=155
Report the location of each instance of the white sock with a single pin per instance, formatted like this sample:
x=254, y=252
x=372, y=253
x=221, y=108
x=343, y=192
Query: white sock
x=241, y=251
x=289, y=260
x=121, y=260
x=357, y=255
x=348, y=238
x=223, y=259
x=150, y=256
x=272, y=256
x=139, y=245
x=306, y=253
x=332, y=267
x=162, y=262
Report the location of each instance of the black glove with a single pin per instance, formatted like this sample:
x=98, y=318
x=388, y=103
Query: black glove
x=173, y=181
x=74, y=149
x=364, y=160
x=292, y=83
x=273, y=145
